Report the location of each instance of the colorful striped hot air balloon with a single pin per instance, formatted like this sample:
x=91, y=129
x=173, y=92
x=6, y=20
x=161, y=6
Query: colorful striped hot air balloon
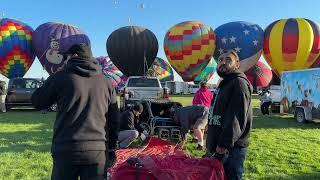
x=207, y=73
x=111, y=71
x=16, y=52
x=259, y=75
x=160, y=69
x=291, y=44
x=189, y=47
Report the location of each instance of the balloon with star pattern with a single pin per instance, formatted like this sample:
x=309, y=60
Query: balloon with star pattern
x=243, y=37
x=16, y=51
x=189, y=47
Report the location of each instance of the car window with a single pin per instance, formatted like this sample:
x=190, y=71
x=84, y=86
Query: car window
x=142, y=82
x=19, y=83
x=31, y=84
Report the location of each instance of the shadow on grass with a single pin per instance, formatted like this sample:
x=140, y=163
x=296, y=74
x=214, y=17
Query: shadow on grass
x=279, y=121
x=38, y=139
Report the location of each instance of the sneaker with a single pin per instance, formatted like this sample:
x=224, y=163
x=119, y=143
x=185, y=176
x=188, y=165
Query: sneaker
x=199, y=147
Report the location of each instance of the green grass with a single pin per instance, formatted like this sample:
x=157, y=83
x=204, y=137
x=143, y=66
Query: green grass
x=280, y=148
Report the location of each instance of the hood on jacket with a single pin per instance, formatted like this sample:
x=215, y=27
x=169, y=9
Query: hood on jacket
x=233, y=75
x=81, y=61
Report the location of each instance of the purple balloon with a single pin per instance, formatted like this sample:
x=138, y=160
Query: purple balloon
x=51, y=39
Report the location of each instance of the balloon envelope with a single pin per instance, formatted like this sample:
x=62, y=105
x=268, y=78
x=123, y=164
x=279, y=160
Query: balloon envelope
x=291, y=44
x=111, y=71
x=16, y=52
x=259, y=75
x=189, y=47
x=207, y=73
x=243, y=37
x=51, y=39
x=161, y=69
x=132, y=49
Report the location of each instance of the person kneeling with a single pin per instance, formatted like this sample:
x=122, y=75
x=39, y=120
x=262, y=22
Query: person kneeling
x=129, y=126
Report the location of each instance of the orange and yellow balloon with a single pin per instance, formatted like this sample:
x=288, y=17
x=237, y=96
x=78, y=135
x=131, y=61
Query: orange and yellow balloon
x=291, y=44
x=189, y=47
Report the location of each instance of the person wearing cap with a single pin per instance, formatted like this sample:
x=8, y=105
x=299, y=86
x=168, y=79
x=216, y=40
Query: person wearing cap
x=85, y=131
x=130, y=128
x=191, y=118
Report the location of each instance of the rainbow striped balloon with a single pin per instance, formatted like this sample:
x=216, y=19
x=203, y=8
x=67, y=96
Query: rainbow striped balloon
x=16, y=52
x=189, y=47
x=160, y=69
x=291, y=44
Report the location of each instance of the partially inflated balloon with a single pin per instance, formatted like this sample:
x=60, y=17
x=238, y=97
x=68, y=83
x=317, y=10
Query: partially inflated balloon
x=207, y=73
x=160, y=69
x=51, y=39
x=291, y=44
x=260, y=75
x=16, y=52
x=189, y=47
x=111, y=71
x=243, y=37
x=132, y=49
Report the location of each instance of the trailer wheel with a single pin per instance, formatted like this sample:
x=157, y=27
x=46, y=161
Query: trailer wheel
x=300, y=116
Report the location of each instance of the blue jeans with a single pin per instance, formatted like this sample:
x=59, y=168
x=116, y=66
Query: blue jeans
x=233, y=163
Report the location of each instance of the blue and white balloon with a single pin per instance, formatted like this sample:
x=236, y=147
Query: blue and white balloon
x=243, y=37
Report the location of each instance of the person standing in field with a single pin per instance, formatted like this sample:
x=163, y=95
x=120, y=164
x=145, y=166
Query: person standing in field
x=85, y=131
x=230, y=119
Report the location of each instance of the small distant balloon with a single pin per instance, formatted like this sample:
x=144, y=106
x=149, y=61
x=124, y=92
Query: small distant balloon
x=142, y=6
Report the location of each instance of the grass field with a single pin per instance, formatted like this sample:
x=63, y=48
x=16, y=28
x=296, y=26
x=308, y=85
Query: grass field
x=280, y=148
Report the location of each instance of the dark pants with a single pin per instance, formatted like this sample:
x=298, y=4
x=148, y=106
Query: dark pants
x=265, y=108
x=233, y=163
x=88, y=165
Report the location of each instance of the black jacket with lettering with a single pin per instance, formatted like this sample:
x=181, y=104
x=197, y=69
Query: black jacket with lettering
x=230, y=119
x=87, y=117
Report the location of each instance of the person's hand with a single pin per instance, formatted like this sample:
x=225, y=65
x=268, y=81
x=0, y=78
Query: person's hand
x=143, y=137
x=221, y=150
x=112, y=158
x=145, y=133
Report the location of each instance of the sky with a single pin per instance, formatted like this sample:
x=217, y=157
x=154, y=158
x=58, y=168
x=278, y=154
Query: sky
x=99, y=18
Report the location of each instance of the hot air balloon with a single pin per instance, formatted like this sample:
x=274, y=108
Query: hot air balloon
x=160, y=69
x=51, y=39
x=111, y=71
x=259, y=75
x=291, y=44
x=16, y=52
x=207, y=73
x=189, y=47
x=243, y=37
x=132, y=49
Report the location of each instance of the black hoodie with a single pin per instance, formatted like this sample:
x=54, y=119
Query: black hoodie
x=230, y=117
x=87, y=114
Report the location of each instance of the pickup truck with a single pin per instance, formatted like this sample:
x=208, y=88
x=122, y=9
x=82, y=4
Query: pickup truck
x=138, y=88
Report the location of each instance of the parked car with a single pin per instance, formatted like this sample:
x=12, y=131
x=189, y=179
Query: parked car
x=140, y=87
x=20, y=91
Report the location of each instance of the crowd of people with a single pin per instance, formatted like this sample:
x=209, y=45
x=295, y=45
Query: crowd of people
x=89, y=127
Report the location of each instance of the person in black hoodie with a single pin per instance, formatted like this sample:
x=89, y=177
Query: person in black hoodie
x=85, y=131
x=130, y=128
x=230, y=118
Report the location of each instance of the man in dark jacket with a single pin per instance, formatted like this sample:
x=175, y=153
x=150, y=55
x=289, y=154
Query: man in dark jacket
x=3, y=96
x=230, y=117
x=130, y=128
x=192, y=117
x=86, y=127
